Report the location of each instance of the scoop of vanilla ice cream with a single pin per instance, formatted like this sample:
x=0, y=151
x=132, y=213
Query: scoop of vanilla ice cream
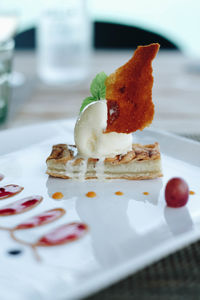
x=90, y=139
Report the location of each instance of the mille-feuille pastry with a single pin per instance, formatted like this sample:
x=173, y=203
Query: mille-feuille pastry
x=119, y=105
x=142, y=162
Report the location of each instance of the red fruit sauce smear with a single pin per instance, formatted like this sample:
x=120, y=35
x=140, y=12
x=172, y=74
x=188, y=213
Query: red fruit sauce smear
x=9, y=191
x=63, y=234
x=176, y=192
x=20, y=206
x=1, y=177
x=42, y=219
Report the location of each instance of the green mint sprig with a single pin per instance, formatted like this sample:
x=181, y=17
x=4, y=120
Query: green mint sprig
x=97, y=89
x=87, y=101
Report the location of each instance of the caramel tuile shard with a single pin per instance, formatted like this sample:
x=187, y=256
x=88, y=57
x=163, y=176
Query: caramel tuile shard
x=129, y=92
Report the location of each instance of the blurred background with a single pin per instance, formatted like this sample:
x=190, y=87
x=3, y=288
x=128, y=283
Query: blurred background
x=174, y=22
x=51, y=50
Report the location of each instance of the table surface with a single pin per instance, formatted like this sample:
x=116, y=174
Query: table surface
x=175, y=92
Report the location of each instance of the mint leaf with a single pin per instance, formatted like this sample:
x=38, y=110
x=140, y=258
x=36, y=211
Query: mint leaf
x=87, y=101
x=98, y=88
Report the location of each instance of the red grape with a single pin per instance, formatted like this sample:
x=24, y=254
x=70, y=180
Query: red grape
x=176, y=192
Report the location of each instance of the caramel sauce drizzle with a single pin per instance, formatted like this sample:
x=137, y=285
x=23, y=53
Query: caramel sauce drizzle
x=145, y=193
x=57, y=195
x=91, y=194
x=119, y=193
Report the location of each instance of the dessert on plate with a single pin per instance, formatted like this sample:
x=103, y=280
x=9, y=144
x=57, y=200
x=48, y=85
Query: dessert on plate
x=120, y=104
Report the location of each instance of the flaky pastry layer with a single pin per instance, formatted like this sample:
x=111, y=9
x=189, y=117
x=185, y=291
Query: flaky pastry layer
x=143, y=162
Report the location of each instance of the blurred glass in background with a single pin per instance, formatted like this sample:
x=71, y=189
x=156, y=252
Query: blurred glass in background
x=6, y=56
x=63, y=41
x=176, y=20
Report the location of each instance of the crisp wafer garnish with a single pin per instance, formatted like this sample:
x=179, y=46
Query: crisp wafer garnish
x=129, y=92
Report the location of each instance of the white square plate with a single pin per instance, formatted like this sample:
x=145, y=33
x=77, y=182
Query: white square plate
x=126, y=232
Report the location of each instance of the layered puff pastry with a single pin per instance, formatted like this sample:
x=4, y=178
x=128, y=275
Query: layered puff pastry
x=142, y=162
